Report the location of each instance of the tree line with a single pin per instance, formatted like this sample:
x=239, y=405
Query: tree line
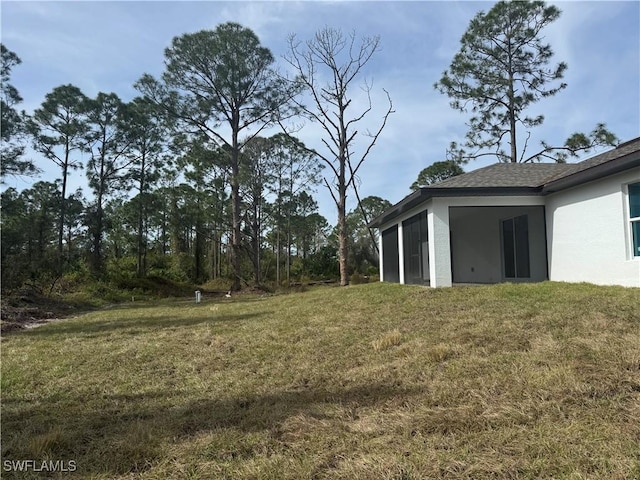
x=183, y=182
x=186, y=183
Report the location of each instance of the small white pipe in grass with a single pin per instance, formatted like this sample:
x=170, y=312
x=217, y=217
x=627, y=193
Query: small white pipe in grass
x=198, y=296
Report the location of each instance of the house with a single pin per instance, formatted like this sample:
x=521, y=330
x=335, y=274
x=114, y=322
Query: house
x=513, y=222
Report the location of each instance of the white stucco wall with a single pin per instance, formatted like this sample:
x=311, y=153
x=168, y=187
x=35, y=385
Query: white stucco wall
x=401, y=252
x=588, y=238
x=380, y=259
x=588, y=233
x=439, y=244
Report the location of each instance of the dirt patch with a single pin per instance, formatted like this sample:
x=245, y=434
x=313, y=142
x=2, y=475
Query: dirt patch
x=14, y=318
x=27, y=309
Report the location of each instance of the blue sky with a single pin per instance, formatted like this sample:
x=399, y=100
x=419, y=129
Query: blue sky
x=107, y=46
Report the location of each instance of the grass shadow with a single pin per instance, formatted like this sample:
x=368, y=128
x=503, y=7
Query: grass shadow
x=78, y=327
x=129, y=433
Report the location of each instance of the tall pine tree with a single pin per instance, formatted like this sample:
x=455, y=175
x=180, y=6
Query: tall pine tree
x=502, y=68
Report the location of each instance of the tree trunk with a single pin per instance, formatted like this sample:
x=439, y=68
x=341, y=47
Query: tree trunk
x=289, y=249
x=198, y=250
x=342, y=223
x=278, y=254
x=65, y=167
x=140, y=270
x=342, y=197
x=215, y=254
x=97, y=240
x=235, y=204
x=220, y=251
x=255, y=241
x=97, y=234
x=342, y=238
x=512, y=115
x=289, y=214
x=279, y=230
x=197, y=253
x=69, y=240
x=177, y=239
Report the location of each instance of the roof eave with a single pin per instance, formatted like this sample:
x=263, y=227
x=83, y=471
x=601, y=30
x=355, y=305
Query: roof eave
x=425, y=193
x=402, y=206
x=594, y=173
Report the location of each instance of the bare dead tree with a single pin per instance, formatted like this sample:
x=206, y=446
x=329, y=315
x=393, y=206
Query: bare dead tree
x=327, y=66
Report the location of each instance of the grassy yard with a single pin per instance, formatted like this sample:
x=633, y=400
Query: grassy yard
x=365, y=382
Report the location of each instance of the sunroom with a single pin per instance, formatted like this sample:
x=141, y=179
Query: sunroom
x=466, y=240
x=512, y=222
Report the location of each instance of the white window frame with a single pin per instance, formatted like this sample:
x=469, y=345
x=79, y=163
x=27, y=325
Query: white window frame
x=633, y=249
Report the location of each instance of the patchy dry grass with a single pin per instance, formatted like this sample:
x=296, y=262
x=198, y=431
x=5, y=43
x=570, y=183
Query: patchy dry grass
x=506, y=381
x=388, y=340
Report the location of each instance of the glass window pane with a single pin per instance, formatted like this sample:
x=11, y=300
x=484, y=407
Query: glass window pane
x=414, y=235
x=509, y=249
x=390, y=255
x=635, y=229
x=522, y=246
x=634, y=200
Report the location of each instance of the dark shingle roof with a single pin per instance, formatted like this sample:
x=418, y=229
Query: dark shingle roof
x=532, y=174
x=626, y=149
x=506, y=175
x=620, y=151
x=522, y=178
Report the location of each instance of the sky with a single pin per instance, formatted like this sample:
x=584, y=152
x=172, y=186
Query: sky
x=107, y=46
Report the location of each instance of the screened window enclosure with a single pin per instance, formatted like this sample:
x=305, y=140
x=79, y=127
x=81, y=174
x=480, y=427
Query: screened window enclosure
x=416, y=249
x=390, y=255
x=634, y=214
x=515, y=247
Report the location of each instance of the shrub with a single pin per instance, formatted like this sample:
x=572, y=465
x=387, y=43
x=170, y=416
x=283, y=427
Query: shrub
x=122, y=267
x=218, y=284
x=372, y=271
x=357, y=279
x=155, y=286
x=107, y=291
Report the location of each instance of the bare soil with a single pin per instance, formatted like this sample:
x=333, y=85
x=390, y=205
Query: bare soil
x=28, y=308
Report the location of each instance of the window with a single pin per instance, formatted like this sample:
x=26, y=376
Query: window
x=416, y=249
x=390, y=255
x=515, y=247
x=634, y=214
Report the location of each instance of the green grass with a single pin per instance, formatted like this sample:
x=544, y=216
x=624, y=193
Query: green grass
x=369, y=381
